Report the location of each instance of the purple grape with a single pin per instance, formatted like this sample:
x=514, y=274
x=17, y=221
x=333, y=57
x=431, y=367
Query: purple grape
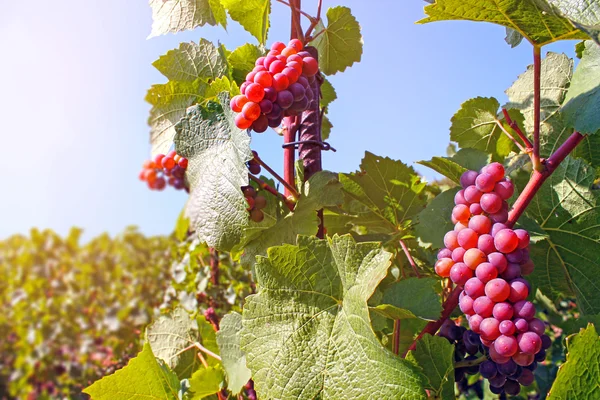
x=541, y=356
x=521, y=324
x=468, y=178
x=303, y=81
x=274, y=123
x=546, y=342
x=498, y=381
x=512, y=387
x=444, y=253
x=297, y=90
x=526, y=377
x=285, y=99
x=266, y=106
x=261, y=124
x=300, y=105
x=524, y=309
x=513, y=271
x=508, y=368
x=488, y=369
x=270, y=94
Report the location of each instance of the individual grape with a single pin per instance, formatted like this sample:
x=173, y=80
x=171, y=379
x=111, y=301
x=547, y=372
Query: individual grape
x=458, y=254
x=475, y=321
x=304, y=82
x=529, y=342
x=468, y=178
x=488, y=369
x=459, y=198
x=466, y=305
x=518, y=291
x=521, y=324
x=444, y=253
x=177, y=172
x=234, y=105
x=483, y=307
x=296, y=44
x=512, y=387
x=257, y=215
x=280, y=82
x=266, y=106
x=278, y=46
x=250, y=111
x=276, y=67
x=292, y=74
x=264, y=79
x=496, y=170
x=183, y=162
x=451, y=240
x=473, y=257
x=310, y=94
x=271, y=94
x=288, y=51
x=168, y=163
x=158, y=159
x=502, y=311
x=269, y=59
x=297, y=66
x=479, y=223
x=507, y=328
x=474, y=288
x=497, y=227
x=506, y=345
x=459, y=226
x=501, y=216
x=485, y=243
x=546, y=342
x=249, y=191
x=285, y=99
x=310, y=66
x=475, y=209
x=443, y=267
x=524, y=309
x=512, y=271
x=504, y=189
x=472, y=194
x=507, y=368
x=526, y=377
x=276, y=112
x=300, y=105
x=485, y=183
x=515, y=257
x=274, y=123
x=485, y=272
x=495, y=390
x=254, y=167
x=160, y=183
x=467, y=238
x=249, y=80
x=259, y=61
x=490, y=328
x=523, y=237
x=261, y=124
x=540, y=356
x=497, y=381
x=490, y=203
x=250, y=201
x=460, y=273
x=506, y=241
x=497, y=290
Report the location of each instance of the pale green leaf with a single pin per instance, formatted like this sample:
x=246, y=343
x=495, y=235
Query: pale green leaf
x=328, y=93
x=435, y=356
x=582, y=104
x=144, y=377
x=217, y=151
x=326, y=127
x=434, y=221
x=172, y=16
x=192, y=61
x=253, y=15
x=584, y=14
x=420, y=297
x=340, y=42
x=453, y=167
x=232, y=357
x=242, y=61
x=205, y=382
x=219, y=86
x=307, y=332
x=578, y=377
x=513, y=38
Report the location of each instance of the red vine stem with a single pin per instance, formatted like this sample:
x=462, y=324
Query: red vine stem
x=511, y=137
x=263, y=185
x=411, y=261
x=515, y=127
x=537, y=72
x=313, y=23
x=396, y=342
x=290, y=189
x=297, y=9
x=214, y=266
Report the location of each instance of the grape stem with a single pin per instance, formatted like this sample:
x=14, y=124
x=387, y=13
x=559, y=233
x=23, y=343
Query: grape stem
x=291, y=189
x=296, y=8
x=263, y=185
x=517, y=129
x=511, y=137
x=432, y=327
x=214, y=266
x=396, y=342
x=411, y=261
x=537, y=71
x=470, y=363
x=313, y=23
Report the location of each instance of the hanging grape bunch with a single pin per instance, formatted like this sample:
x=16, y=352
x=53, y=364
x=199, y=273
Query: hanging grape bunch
x=256, y=203
x=488, y=260
x=278, y=86
x=165, y=169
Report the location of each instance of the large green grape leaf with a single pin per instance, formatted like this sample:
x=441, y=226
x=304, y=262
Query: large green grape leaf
x=242, y=61
x=169, y=103
x=555, y=77
x=307, y=332
x=435, y=356
x=253, y=15
x=581, y=109
x=385, y=194
x=192, y=61
x=533, y=19
x=220, y=85
x=143, y=378
x=328, y=94
x=578, y=377
x=206, y=382
x=567, y=262
x=453, y=167
x=584, y=14
x=339, y=44
x=217, y=151
x=232, y=357
x=412, y=298
x=322, y=190
x=434, y=221
x=172, y=16
x=477, y=126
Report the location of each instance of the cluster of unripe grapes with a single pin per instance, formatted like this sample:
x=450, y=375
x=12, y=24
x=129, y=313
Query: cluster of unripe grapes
x=256, y=203
x=165, y=169
x=278, y=86
x=488, y=260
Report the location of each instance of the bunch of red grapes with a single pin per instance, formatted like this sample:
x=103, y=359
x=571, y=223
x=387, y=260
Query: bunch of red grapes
x=488, y=260
x=256, y=203
x=165, y=169
x=278, y=86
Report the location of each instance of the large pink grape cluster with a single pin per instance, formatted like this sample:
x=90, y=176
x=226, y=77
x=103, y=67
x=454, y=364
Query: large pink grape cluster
x=488, y=260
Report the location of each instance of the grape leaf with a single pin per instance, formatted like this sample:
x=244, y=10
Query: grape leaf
x=328, y=94
x=434, y=221
x=219, y=86
x=326, y=127
x=386, y=193
x=435, y=356
x=589, y=150
x=453, y=167
x=567, y=261
x=169, y=335
x=322, y=190
x=574, y=325
x=205, y=382
x=513, y=38
x=144, y=377
x=307, y=333
x=556, y=72
x=412, y=298
x=192, y=61
x=253, y=15
x=217, y=151
x=533, y=19
x=233, y=358
x=172, y=16
x=578, y=377
x=584, y=14
x=581, y=109
x=169, y=103
x=242, y=61
x=340, y=43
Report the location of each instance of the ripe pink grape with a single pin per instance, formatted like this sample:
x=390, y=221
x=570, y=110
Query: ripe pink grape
x=468, y=178
x=472, y=194
x=458, y=254
x=485, y=272
x=507, y=327
x=497, y=290
x=491, y=203
x=460, y=273
x=475, y=321
x=490, y=328
x=524, y=309
x=506, y=345
x=474, y=288
x=451, y=240
x=473, y=257
x=485, y=243
x=502, y=311
x=461, y=213
x=459, y=198
x=504, y=189
x=485, y=183
x=518, y=291
x=443, y=267
x=480, y=224
x=529, y=342
x=466, y=305
x=483, y=306
x=506, y=241
x=467, y=238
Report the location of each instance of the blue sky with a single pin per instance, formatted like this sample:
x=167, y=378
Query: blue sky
x=74, y=120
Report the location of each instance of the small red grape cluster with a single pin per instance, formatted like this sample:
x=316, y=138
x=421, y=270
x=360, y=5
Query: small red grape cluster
x=256, y=203
x=165, y=169
x=278, y=86
x=488, y=259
